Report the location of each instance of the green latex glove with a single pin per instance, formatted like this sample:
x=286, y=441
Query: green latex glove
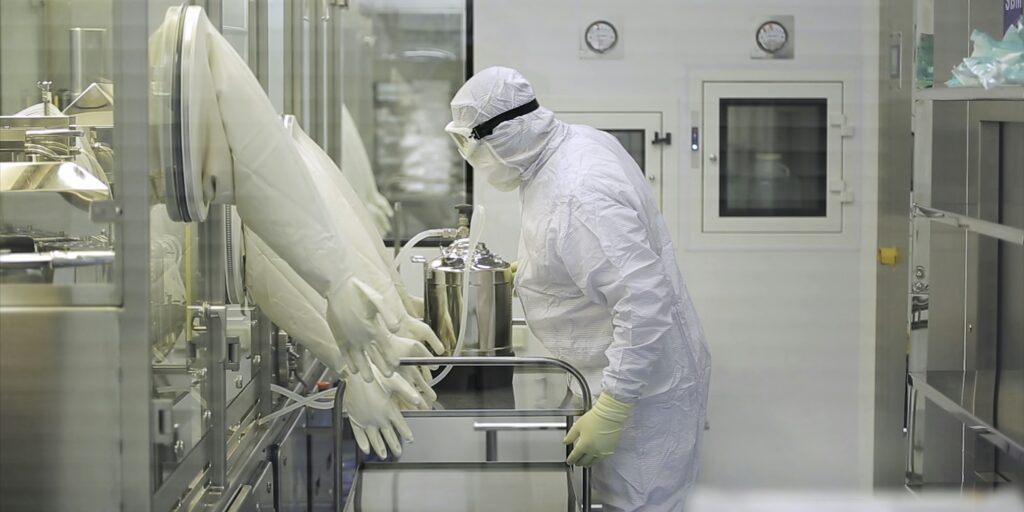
x=597, y=432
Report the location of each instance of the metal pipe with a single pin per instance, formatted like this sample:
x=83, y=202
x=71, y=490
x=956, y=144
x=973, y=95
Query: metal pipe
x=339, y=438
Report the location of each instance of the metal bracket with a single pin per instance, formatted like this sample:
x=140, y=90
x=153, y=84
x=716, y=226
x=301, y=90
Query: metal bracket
x=233, y=354
x=162, y=423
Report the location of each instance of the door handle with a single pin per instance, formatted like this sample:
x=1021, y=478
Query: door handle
x=658, y=139
x=713, y=158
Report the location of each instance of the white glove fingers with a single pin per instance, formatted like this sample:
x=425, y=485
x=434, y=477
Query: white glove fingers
x=423, y=333
x=359, y=364
x=392, y=440
x=376, y=300
x=361, y=440
x=377, y=442
x=379, y=361
x=401, y=426
x=399, y=386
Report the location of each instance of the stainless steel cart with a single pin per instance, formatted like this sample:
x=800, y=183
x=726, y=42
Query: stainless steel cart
x=489, y=485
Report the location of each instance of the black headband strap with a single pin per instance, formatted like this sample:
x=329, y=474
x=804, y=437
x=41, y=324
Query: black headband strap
x=487, y=127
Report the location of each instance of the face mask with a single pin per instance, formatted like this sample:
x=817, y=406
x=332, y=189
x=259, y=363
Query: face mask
x=499, y=175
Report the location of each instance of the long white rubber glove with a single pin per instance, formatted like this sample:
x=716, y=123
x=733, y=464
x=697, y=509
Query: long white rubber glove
x=278, y=199
x=294, y=306
x=337, y=191
x=374, y=414
x=374, y=408
x=355, y=163
x=418, y=376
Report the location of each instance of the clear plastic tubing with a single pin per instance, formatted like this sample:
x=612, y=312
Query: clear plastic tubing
x=476, y=231
x=408, y=247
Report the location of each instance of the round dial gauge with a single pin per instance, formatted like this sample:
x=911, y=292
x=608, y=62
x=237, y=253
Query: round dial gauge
x=601, y=36
x=771, y=36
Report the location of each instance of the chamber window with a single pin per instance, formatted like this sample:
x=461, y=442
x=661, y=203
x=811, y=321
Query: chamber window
x=635, y=144
x=774, y=157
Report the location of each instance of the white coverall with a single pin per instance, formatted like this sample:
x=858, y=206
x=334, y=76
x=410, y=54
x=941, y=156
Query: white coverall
x=600, y=286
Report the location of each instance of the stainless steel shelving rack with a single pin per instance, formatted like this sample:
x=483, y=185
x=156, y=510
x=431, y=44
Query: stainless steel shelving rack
x=960, y=234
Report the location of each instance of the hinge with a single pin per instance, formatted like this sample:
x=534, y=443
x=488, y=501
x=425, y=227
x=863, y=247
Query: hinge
x=838, y=187
x=839, y=120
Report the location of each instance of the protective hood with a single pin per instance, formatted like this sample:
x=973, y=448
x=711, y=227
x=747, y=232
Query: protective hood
x=522, y=145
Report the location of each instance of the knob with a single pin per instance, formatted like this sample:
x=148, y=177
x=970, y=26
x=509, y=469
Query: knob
x=713, y=158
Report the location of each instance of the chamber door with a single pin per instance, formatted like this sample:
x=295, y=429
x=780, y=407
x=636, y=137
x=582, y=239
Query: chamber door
x=772, y=160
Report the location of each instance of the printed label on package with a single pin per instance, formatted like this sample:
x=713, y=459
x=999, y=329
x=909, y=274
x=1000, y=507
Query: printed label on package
x=1012, y=12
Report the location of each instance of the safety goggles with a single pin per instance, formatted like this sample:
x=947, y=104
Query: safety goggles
x=468, y=139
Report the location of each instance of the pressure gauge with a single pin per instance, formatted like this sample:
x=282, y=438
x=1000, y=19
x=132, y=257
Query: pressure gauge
x=771, y=36
x=601, y=36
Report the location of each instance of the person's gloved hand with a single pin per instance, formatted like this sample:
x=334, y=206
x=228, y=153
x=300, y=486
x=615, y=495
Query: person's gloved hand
x=354, y=314
x=374, y=414
x=597, y=432
x=511, y=274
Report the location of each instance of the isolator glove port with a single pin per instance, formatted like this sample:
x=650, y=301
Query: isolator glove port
x=597, y=432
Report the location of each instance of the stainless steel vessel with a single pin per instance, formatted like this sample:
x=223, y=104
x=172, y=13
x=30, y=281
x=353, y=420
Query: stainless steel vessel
x=489, y=319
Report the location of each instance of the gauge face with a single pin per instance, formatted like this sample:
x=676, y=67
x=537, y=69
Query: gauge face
x=601, y=36
x=771, y=36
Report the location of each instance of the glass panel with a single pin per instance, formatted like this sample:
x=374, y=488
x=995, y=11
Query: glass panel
x=635, y=144
x=773, y=157
x=56, y=154
x=178, y=274
x=402, y=65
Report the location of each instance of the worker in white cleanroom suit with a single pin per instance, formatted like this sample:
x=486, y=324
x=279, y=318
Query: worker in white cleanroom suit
x=252, y=161
x=600, y=286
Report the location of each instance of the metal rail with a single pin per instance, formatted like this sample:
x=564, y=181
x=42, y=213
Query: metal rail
x=998, y=439
x=339, y=414
x=974, y=225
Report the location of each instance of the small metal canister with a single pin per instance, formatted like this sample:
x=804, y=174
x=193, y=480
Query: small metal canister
x=489, y=320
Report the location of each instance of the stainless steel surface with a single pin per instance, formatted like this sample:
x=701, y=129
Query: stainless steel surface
x=453, y=487
x=69, y=179
x=290, y=465
x=56, y=259
x=967, y=239
x=519, y=426
x=58, y=402
x=216, y=394
x=131, y=138
x=489, y=329
x=895, y=160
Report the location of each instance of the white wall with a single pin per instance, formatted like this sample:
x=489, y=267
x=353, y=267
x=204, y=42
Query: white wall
x=790, y=328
